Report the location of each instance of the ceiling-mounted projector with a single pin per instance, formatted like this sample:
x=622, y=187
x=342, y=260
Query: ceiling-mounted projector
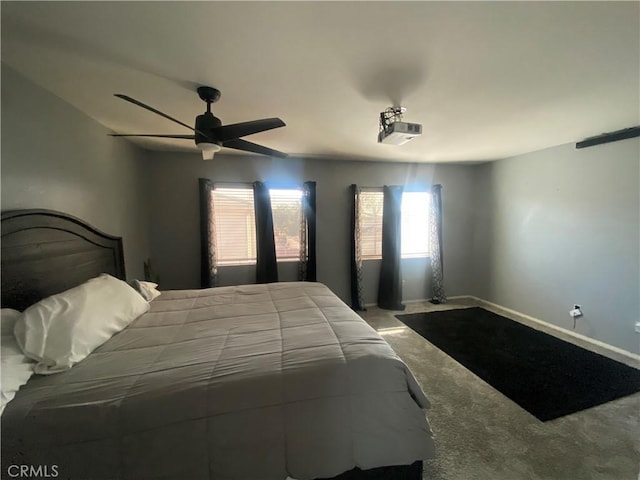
x=398, y=133
x=393, y=130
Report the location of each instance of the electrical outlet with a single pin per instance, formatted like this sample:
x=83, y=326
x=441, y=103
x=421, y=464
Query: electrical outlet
x=575, y=313
x=638, y=327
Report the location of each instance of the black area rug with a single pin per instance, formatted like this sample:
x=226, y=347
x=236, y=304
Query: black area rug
x=546, y=376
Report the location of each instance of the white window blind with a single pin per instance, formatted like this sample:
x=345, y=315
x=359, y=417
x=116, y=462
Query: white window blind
x=414, y=224
x=370, y=209
x=286, y=208
x=234, y=225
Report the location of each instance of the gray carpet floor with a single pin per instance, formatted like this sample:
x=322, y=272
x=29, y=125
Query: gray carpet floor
x=482, y=435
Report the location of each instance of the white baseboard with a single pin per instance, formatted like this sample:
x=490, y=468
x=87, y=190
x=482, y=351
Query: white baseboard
x=596, y=346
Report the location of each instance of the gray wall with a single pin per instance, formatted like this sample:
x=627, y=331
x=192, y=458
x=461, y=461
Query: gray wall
x=561, y=226
x=175, y=242
x=55, y=157
x=535, y=233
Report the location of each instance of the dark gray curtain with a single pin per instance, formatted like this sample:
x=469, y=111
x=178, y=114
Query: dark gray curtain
x=390, y=285
x=307, y=270
x=208, y=267
x=435, y=242
x=357, y=300
x=266, y=264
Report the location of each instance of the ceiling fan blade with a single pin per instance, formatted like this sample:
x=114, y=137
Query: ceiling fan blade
x=158, y=112
x=240, y=144
x=237, y=130
x=186, y=137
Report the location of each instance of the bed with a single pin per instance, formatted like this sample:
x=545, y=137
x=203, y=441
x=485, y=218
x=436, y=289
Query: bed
x=256, y=382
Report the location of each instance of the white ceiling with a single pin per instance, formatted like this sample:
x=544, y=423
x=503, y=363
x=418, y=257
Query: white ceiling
x=486, y=80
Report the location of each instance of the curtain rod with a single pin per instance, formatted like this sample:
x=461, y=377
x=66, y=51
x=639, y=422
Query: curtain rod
x=380, y=187
x=268, y=184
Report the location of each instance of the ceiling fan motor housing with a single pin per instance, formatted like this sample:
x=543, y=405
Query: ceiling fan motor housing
x=209, y=94
x=205, y=123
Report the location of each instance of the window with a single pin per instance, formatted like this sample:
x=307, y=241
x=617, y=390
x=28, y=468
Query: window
x=415, y=225
x=235, y=224
x=370, y=213
x=286, y=208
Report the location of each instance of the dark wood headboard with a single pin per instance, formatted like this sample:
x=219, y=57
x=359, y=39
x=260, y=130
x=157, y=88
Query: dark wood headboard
x=46, y=252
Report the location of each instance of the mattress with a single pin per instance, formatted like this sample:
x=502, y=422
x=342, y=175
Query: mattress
x=246, y=382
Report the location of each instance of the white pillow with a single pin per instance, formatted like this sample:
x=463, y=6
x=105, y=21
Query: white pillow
x=16, y=369
x=61, y=330
x=148, y=290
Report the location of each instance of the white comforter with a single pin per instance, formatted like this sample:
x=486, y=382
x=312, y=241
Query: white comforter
x=249, y=382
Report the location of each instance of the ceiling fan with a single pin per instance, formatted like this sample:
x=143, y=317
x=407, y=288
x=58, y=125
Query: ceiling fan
x=209, y=133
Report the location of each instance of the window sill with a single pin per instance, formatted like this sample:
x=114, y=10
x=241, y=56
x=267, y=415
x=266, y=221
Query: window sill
x=236, y=264
x=403, y=257
x=253, y=263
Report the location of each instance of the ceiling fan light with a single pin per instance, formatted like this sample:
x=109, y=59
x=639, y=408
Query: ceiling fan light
x=208, y=149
